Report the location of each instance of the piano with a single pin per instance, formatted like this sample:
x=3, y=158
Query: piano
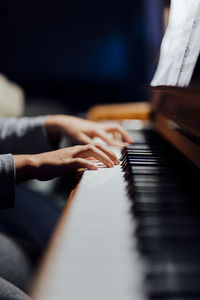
x=133, y=231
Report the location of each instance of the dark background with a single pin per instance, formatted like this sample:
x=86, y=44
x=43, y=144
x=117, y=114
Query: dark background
x=80, y=52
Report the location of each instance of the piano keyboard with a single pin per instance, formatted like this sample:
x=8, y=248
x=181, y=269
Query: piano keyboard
x=130, y=232
x=165, y=203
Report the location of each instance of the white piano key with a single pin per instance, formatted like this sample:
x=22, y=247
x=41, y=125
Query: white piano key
x=96, y=256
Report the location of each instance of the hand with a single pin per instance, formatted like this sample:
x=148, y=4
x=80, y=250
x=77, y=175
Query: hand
x=46, y=166
x=83, y=131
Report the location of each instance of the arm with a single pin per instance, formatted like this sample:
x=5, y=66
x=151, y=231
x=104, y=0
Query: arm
x=23, y=135
x=7, y=181
x=39, y=134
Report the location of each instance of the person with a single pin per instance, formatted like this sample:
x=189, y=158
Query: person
x=38, y=135
x=29, y=150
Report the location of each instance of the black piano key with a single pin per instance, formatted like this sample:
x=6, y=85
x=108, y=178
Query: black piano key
x=163, y=190
x=172, y=285
x=170, y=221
x=163, y=208
x=168, y=297
x=168, y=233
x=147, y=246
x=150, y=170
x=172, y=257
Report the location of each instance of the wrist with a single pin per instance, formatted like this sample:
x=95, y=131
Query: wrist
x=25, y=167
x=53, y=129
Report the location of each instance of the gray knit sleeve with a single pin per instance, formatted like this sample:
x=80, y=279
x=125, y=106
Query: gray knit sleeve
x=7, y=181
x=23, y=136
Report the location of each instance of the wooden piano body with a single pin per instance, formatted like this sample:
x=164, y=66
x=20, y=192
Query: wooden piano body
x=174, y=111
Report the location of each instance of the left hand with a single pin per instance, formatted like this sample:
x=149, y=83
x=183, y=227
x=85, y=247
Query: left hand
x=83, y=131
x=48, y=165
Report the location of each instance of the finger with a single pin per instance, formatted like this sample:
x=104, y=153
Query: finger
x=91, y=150
x=83, y=163
x=108, y=152
x=90, y=158
x=125, y=135
x=111, y=142
x=118, y=144
x=84, y=139
x=116, y=136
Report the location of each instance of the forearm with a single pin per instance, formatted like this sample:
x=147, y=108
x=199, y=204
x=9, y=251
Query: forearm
x=23, y=135
x=25, y=167
x=54, y=129
x=7, y=181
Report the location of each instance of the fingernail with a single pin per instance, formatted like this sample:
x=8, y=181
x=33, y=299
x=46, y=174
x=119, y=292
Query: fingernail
x=116, y=161
x=111, y=164
x=94, y=167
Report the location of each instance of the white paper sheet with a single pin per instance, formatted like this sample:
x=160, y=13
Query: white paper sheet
x=180, y=46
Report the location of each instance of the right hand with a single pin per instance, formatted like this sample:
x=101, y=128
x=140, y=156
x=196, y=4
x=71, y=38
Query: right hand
x=48, y=165
x=83, y=131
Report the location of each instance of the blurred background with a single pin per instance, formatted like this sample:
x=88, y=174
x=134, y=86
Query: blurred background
x=70, y=55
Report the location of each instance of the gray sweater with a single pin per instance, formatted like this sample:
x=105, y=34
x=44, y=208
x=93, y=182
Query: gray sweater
x=18, y=136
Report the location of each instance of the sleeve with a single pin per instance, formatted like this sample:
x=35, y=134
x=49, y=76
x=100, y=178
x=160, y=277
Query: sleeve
x=25, y=135
x=7, y=181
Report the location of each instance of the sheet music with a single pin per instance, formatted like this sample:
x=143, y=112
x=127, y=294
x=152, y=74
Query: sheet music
x=180, y=46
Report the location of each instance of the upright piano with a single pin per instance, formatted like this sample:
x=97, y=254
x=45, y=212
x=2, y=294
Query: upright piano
x=133, y=231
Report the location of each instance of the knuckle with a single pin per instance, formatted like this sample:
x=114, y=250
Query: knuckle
x=91, y=147
x=77, y=148
x=97, y=144
x=113, y=154
x=118, y=127
x=95, y=130
x=77, y=161
x=82, y=148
